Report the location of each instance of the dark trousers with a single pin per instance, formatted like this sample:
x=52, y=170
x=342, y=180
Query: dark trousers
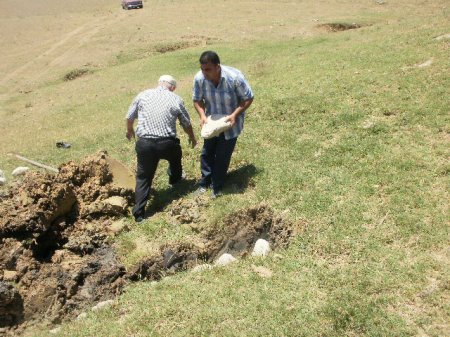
x=149, y=152
x=215, y=160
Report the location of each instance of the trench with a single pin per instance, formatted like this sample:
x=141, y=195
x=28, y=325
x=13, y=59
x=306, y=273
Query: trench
x=238, y=235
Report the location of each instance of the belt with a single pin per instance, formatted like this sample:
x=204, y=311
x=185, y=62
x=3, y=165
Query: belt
x=157, y=140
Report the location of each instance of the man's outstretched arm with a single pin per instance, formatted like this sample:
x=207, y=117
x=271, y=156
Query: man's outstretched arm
x=190, y=132
x=130, y=130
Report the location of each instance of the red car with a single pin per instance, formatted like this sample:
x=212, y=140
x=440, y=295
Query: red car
x=129, y=4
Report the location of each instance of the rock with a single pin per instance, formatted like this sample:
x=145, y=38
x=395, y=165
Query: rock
x=225, y=259
x=262, y=248
x=2, y=181
x=262, y=271
x=102, y=305
x=81, y=316
x=18, y=171
x=201, y=267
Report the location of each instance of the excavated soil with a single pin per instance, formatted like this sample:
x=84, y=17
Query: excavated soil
x=56, y=255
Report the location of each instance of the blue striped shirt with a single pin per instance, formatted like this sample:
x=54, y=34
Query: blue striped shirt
x=233, y=88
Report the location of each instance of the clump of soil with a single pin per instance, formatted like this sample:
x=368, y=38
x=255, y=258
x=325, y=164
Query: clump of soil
x=54, y=242
x=187, y=211
x=338, y=27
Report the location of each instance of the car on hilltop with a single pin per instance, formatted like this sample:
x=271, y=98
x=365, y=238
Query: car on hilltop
x=129, y=4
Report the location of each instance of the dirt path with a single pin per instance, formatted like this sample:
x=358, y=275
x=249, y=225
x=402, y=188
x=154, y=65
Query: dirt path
x=66, y=50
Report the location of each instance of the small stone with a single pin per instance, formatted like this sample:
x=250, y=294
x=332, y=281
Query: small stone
x=81, y=316
x=225, y=259
x=2, y=181
x=102, y=305
x=18, y=171
x=262, y=248
x=201, y=267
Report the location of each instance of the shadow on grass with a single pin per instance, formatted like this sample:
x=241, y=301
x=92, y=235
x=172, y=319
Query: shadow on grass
x=240, y=179
x=237, y=181
x=161, y=198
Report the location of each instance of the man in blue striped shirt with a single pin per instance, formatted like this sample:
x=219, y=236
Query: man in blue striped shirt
x=219, y=90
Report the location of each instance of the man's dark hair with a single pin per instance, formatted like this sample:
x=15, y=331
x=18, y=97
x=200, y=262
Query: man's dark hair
x=209, y=56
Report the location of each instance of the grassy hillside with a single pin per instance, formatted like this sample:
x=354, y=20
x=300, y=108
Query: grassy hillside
x=348, y=135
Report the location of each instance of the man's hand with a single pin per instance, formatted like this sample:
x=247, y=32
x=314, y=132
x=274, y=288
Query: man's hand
x=130, y=134
x=130, y=130
x=193, y=142
x=232, y=119
x=203, y=120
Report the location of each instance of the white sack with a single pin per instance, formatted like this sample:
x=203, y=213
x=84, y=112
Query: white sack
x=214, y=126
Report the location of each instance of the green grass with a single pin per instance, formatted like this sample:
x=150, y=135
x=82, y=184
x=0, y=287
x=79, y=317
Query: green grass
x=345, y=133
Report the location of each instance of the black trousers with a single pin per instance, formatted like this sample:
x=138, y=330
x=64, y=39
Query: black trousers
x=215, y=160
x=149, y=152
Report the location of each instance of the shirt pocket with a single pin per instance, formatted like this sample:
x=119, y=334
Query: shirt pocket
x=228, y=96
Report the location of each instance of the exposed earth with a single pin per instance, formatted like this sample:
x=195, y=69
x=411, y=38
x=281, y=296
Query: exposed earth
x=56, y=234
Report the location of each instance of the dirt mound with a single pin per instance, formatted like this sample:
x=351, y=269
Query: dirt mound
x=54, y=242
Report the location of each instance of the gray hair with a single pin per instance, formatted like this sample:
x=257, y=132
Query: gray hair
x=167, y=81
